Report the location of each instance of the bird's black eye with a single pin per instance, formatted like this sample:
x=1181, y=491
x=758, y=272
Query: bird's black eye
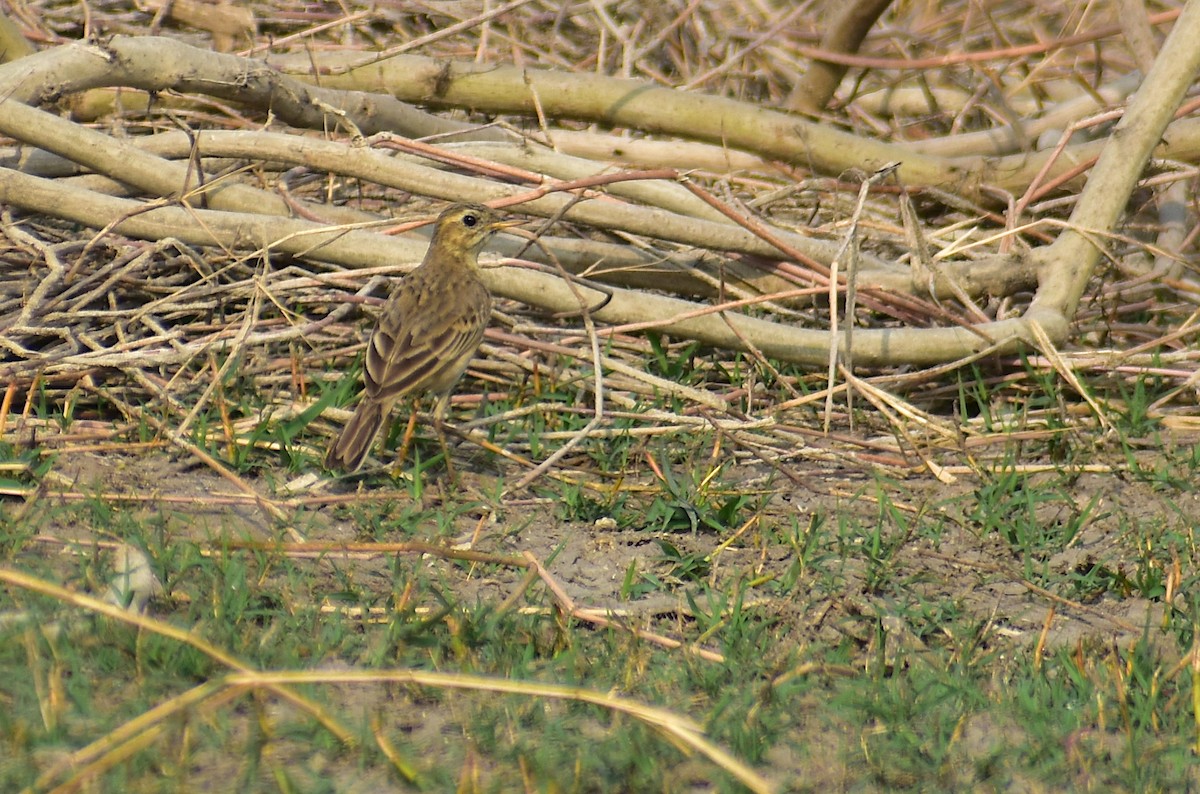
x=470, y=219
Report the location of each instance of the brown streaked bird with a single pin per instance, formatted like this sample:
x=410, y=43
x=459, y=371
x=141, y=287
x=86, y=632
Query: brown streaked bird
x=428, y=331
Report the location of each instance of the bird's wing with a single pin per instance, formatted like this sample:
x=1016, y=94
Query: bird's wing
x=425, y=338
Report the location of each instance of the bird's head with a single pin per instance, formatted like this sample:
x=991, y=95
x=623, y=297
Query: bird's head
x=466, y=227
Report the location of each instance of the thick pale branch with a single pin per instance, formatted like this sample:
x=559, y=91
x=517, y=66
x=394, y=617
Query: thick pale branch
x=153, y=63
x=650, y=108
x=234, y=232
x=740, y=126
x=261, y=234
x=1025, y=134
x=1069, y=262
x=122, y=161
x=156, y=64
x=132, y=164
x=143, y=166
x=846, y=30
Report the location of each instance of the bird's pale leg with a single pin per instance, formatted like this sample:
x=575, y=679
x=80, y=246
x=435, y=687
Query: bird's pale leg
x=406, y=439
x=395, y=469
x=439, y=416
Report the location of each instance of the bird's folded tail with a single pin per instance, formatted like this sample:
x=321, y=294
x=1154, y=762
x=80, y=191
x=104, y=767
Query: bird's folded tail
x=357, y=436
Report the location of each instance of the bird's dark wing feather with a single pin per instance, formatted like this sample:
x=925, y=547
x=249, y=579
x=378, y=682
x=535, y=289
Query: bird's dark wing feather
x=420, y=344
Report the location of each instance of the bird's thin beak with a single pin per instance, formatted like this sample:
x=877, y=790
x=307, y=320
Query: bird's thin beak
x=505, y=224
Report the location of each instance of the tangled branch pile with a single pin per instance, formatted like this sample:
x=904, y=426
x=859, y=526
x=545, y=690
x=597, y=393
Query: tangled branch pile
x=953, y=200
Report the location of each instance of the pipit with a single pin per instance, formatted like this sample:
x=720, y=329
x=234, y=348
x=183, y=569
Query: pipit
x=428, y=331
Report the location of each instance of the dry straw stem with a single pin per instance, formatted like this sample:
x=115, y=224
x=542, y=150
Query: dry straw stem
x=607, y=619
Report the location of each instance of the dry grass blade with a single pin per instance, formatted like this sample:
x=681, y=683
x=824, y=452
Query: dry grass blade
x=595, y=617
x=683, y=732
x=35, y=585
x=114, y=747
